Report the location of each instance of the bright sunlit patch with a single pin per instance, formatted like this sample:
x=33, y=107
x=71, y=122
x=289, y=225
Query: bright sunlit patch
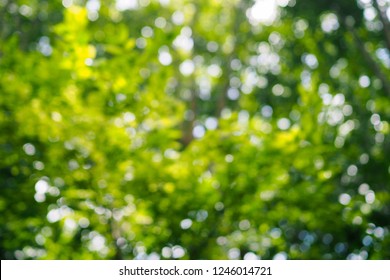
x=186, y=223
x=388, y=13
x=329, y=23
x=164, y=2
x=211, y=123
x=160, y=22
x=183, y=42
x=198, y=131
x=344, y=198
x=70, y=225
x=67, y=3
x=83, y=222
x=364, y=81
x=283, y=123
x=147, y=32
x=214, y=70
x=244, y=225
x=178, y=252
x=370, y=13
x=310, y=60
x=44, y=46
x=97, y=242
x=166, y=252
x=29, y=149
x=263, y=11
x=54, y=215
x=370, y=197
x=251, y=256
x=178, y=18
x=187, y=67
x=123, y=5
x=234, y=254
x=233, y=94
x=93, y=7
x=164, y=56
x=280, y=256
x=41, y=186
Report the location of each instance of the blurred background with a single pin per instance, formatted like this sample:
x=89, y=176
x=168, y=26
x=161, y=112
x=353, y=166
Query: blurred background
x=210, y=129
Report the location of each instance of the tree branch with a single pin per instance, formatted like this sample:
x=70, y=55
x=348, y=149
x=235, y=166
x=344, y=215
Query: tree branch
x=221, y=100
x=367, y=56
x=385, y=23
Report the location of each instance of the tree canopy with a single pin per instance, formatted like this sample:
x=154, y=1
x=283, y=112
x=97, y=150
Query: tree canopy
x=209, y=129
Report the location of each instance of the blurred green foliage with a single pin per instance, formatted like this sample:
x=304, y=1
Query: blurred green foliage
x=194, y=129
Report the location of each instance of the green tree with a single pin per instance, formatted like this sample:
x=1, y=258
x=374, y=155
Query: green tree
x=194, y=129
